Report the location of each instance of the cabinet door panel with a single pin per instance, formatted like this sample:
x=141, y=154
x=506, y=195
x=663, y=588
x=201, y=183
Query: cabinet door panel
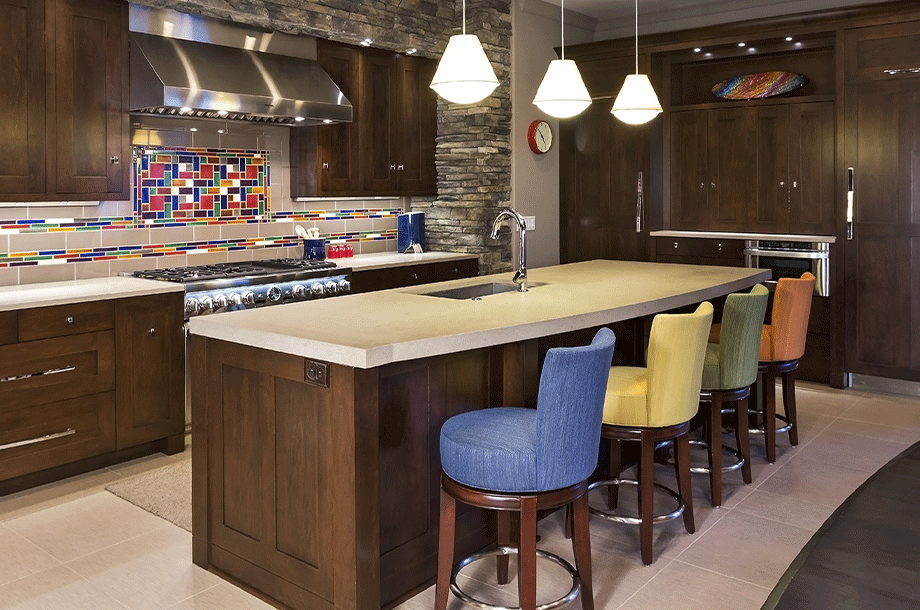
x=770, y=209
x=377, y=99
x=150, y=369
x=690, y=183
x=882, y=262
x=811, y=168
x=90, y=63
x=417, y=127
x=338, y=144
x=22, y=97
x=732, y=169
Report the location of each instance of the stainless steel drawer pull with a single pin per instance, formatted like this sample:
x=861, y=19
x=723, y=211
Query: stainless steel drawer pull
x=69, y=320
x=39, y=439
x=63, y=369
x=818, y=255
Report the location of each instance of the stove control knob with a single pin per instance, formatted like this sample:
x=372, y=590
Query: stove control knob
x=299, y=292
x=344, y=286
x=317, y=289
x=331, y=287
x=274, y=295
x=220, y=301
x=249, y=298
x=207, y=305
x=235, y=299
x=192, y=306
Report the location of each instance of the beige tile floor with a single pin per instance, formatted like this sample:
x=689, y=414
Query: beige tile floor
x=72, y=545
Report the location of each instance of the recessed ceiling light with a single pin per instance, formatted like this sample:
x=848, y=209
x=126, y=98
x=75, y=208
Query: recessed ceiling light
x=741, y=44
x=299, y=119
x=193, y=129
x=788, y=38
x=367, y=42
x=798, y=44
x=697, y=50
x=327, y=121
x=751, y=49
x=220, y=131
x=708, y=54
x=412, y=51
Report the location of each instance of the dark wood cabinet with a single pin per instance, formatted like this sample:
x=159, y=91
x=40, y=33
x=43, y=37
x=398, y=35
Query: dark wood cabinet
x=696, y=251
x=22, y=97
x=65, y=100
x=388, y=149
x=762, y=169
x=399, y=276
x=150, y=394
x=881, y=142
x=603, y=165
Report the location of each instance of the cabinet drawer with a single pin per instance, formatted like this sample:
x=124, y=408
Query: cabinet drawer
x=50, y=370
x=455, y=270
x=9, y=329
x=64, y=320
x=40, y=437
x=412, y=275
x=729, y=249
x=872, y=50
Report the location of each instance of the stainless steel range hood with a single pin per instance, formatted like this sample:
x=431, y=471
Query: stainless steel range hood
x=182, y=78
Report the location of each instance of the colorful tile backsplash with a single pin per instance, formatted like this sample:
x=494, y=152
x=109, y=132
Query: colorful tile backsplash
x=187, y=183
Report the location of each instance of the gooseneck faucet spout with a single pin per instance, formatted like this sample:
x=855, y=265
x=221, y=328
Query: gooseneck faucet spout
x=520, y=277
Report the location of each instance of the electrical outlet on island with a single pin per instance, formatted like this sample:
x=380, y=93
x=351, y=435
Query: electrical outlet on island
x=530, y=223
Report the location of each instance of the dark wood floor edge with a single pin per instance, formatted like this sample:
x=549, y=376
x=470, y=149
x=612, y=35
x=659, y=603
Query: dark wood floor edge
x=781, y=586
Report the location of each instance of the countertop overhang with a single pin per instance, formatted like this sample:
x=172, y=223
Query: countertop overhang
x=47, y=294
x=378, y=328
x=830, y=239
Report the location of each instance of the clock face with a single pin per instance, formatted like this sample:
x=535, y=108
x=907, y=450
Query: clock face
x=540, y=137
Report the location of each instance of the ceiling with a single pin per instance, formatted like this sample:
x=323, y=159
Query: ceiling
x=616, y=18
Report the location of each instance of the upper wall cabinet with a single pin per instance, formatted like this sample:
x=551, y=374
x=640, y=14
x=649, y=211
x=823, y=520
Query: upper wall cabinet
x=389, y=147
x=64, y=93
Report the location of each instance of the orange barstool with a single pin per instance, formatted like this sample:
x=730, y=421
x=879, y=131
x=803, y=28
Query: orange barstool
x=782, y=343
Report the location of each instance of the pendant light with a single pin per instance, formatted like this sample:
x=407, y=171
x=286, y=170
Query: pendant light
x=464, y=74
x=562, y=93
x=636, y=103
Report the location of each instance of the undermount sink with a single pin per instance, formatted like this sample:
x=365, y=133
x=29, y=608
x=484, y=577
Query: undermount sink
x=476, y=290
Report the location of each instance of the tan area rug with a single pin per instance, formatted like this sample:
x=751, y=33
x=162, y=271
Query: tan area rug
x=165, y=492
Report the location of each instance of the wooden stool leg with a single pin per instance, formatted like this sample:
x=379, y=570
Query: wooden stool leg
x=789, y=403
x=581, y=544
x=646, y=496
x=743, y=437
x=616, y=465
x=503, y=538
x=527, y=555
x=567, y=531
x=683, y=479
x=445, y=549
x=769, y=413
x=715, y=449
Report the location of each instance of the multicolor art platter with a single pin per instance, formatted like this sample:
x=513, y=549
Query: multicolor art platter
x=760, y=85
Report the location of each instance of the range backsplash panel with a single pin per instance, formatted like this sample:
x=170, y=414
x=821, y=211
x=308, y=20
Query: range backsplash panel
x=200, y=183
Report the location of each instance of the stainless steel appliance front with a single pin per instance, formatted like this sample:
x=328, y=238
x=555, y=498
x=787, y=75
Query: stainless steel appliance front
x=791, y=259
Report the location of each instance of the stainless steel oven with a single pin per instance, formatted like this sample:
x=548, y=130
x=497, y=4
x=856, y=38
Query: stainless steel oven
x=791, y=259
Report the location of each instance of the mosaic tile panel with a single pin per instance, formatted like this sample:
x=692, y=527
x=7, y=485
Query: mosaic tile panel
x=200, y=183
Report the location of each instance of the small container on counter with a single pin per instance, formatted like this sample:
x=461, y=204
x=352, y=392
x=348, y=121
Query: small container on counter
x=314, y=249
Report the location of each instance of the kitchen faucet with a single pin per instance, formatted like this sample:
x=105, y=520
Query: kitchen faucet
x=520, y=277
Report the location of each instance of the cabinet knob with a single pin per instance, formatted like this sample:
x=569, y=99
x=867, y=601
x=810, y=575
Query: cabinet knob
x=720, y=247
x=676, y=245
x=69, y=320
x=702, y=185
x=782, y=184
x=712, y=184
x=152, y=332
x=115, y=160
x=402, y=167
x=415, y=277
x=795, y=184
x=325, y=166
x=392, y=167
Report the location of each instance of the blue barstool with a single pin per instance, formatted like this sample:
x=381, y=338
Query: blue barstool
x=525, y=460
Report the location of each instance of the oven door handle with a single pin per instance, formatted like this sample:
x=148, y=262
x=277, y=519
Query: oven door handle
x=786, y=253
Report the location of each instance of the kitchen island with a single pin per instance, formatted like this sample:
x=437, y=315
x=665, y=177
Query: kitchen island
x=315, y=460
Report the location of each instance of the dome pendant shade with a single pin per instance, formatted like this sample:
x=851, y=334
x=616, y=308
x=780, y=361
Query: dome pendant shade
x=464, y=74
x=562, y=93
x=636, y=103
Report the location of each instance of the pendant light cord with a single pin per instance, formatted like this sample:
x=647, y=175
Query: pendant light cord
x=464, y=18
x=562, y=24
x=637, y=36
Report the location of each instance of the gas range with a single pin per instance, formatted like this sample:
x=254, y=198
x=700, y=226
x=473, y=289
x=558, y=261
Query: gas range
x=232, y=286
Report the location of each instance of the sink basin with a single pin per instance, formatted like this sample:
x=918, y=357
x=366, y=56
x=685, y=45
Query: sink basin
x=476, y=290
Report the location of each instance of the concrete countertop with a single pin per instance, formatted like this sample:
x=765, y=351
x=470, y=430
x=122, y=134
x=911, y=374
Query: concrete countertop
x=77, y=291
x=377, y=328
x=771, y=236
x=364, y=262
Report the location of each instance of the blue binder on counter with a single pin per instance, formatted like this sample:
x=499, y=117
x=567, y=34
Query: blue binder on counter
x=410, y=231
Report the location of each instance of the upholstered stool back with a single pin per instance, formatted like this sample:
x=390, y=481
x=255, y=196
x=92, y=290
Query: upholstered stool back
x=731, y=362
x=784, y=338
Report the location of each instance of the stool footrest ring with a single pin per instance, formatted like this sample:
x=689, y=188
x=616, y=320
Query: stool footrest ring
x=635, y=520
x=780, y=430
x=512, y=550
x=731, y=467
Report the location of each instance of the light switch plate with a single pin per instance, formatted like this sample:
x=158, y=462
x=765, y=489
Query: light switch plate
x=530, y=223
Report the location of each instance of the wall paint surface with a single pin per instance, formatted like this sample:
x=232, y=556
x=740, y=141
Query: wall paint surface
x=535, y=178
